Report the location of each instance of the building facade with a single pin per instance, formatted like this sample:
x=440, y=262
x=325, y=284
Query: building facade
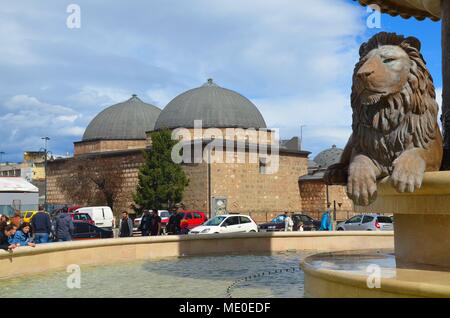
x=257, y=175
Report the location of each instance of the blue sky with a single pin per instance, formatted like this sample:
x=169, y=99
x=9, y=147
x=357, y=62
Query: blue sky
x=294, y=59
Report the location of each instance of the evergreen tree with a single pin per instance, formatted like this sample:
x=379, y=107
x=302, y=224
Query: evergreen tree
x=161, y=181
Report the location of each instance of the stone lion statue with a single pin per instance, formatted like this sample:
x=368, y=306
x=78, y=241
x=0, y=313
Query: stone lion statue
x=395, y=129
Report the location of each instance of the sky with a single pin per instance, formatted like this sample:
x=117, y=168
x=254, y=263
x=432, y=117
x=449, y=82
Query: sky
x=293, y=58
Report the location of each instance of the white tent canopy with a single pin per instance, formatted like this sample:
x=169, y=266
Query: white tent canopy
x=16, y=184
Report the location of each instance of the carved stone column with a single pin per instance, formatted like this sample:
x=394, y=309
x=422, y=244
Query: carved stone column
x=446, y=81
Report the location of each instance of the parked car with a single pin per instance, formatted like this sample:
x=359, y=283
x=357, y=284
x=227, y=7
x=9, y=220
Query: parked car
x=101, y=215
x=87, y=231
x=367, y=222
x=277, y=224
x=227, y=223
x=82, y=217
x=163, y=214
x=193, y=218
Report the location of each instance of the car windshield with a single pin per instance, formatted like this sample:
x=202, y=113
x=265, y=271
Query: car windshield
x=278, y=219
x=165, y=214
x=215, y=221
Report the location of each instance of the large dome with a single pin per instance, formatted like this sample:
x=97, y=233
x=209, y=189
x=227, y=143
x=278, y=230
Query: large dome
x=329, y=157
x=215, y=106
x=128, y=120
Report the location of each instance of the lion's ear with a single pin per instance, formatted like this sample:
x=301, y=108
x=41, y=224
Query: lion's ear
x=414, y=42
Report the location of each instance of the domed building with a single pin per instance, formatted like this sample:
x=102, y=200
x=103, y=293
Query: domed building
x=264, y=183
x=316, y=195
x=215, y=106
x=119, y=127
x=328, y=157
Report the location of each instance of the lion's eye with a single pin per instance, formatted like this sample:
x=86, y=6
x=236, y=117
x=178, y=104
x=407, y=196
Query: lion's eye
x=388, y=61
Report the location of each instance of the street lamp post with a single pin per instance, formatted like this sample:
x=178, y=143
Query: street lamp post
x=1, y=155
x=46, y=139
x=301, y=136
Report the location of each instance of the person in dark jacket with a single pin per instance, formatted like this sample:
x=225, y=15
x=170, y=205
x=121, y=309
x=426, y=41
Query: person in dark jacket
x=3, y=222
x=23, y=236
x=63, y=227
x=5, y=236
x=126, y=225
x=174, y=224
x=155, y=227
x=146, y=222
x=41, y=226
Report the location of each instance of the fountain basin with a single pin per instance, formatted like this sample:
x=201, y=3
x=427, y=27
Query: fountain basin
x=422, y=221
x=345, y=274
x=56, y=256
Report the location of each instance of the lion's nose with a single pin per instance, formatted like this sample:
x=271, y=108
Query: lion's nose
x=363, y=74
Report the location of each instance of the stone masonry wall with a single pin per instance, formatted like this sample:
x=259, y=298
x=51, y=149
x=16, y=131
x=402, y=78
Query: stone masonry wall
x=251, y=192
x=127, y=163
x=98, y=146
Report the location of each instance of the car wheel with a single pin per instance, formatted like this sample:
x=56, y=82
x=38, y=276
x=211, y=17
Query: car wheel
x=313, y=229
x=252, y=231
x=340, y=229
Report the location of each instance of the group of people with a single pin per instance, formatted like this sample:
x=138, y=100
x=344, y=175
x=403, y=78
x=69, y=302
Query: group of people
x=14, y=232
x=150, y=224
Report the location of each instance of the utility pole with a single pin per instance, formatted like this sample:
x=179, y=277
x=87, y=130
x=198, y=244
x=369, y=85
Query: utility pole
x=301, y=136
x=46, y=139
x=1, y=155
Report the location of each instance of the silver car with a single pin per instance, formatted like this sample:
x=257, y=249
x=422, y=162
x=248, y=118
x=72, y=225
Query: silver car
x=367, y=222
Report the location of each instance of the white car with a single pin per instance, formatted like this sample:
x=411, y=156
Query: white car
x=227, y=223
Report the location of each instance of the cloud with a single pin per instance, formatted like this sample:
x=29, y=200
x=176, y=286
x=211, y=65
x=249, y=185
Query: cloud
x=26, y=119
x=293, y=61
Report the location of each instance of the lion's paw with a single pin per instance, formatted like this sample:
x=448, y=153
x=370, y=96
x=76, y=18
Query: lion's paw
x=408, y=173
x=362, y=184
x=336, y=174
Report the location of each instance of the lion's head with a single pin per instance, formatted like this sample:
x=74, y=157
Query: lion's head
x=390, y=68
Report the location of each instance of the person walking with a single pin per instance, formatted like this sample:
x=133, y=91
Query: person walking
x=288, y=223
x=145, y=224
x=42, y=226
x=64, y=226
x=5, y=236
x=155, y=227
x=325, y=222
x=23, y=236
x=126, y=225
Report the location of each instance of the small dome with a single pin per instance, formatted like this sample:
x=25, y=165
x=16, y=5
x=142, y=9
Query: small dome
x=128, y=120
x=329, y=157
x=215, y=106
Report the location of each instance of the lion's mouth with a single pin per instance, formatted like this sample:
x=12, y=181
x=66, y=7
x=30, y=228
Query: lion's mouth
x=371, y=97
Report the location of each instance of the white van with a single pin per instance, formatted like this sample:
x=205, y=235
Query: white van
x=101, y=215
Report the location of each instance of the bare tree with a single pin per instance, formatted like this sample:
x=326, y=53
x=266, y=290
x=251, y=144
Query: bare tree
x=92, y=182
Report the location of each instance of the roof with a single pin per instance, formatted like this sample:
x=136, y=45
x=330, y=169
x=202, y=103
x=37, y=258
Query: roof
x=328, y=157
x=128, y=120
x=419, y=9
x=16, y=184
x=215, y=106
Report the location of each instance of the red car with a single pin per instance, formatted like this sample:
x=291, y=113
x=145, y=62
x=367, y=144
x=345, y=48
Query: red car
x=82, y=217
x=193, y=218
